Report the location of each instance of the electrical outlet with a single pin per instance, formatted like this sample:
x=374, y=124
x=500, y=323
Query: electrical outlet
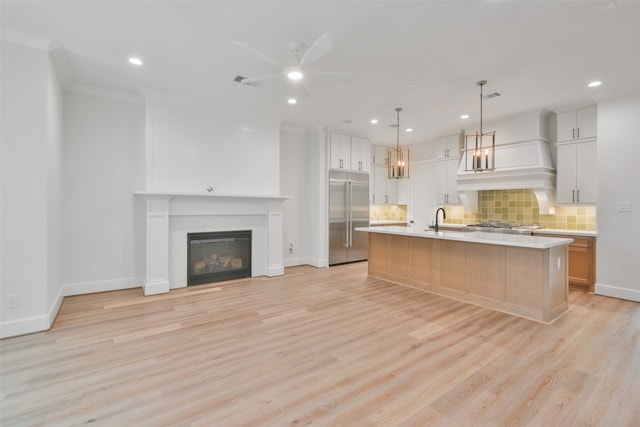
x=12, y=301
x=290, y=247
x=118, y=268
x=94, y=268
x=624, y=206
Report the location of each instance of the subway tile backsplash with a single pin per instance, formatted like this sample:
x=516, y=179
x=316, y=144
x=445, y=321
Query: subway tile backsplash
x=521, y=206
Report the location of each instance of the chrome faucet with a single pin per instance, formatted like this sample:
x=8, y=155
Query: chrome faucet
x=444, y=216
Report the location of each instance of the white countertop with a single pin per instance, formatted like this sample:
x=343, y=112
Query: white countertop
x=536, y=242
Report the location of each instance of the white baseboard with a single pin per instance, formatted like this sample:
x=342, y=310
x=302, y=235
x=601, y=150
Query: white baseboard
x=28, y=325
x=294, y=262
x=101, y=286
x=617, y=292
x=157, y=287
x=275, y=271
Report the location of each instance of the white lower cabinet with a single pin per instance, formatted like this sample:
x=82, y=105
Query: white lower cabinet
x=446, y=173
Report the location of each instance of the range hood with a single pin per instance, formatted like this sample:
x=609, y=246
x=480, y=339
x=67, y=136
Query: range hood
x=518, y=165
x=522, y=161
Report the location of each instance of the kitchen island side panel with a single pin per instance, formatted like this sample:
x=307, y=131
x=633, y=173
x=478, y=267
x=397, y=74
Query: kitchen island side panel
x=527, y=282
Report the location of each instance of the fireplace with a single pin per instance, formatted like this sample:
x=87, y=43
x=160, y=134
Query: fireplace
x=217, y=256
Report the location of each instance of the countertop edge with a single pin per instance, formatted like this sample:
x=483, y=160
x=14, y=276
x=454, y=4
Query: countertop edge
x=534, y=242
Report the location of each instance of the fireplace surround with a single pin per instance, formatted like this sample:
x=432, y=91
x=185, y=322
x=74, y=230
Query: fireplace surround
x=163, y=221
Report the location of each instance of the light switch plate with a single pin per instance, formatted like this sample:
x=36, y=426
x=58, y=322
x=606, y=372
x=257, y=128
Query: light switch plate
x=624, y=206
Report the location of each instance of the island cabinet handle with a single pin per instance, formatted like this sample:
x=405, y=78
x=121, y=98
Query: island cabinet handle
x=578, y=195
x=573, y=195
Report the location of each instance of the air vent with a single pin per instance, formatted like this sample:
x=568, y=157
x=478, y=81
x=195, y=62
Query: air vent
x=239, y=79
x=491, y=95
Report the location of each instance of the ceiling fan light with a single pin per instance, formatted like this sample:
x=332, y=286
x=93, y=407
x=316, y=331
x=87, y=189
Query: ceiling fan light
x=292, y=101
x=594, y=83
x=295, y=74
x=135, y=61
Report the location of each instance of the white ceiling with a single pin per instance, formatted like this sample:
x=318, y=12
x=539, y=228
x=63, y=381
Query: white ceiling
x=424, y=56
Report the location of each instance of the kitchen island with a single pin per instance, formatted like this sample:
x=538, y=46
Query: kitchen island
x=521, y=275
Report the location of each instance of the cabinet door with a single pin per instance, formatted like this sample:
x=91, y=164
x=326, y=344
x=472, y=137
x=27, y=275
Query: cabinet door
x=566, y=126
x=391, y=189
x=442, y=149
x=380, y=155
x=379, y=190
x=586, y=123
x=360, y=154
x=586, y=172
x=452, y=183
x=566, y=174
x=442, y=180
x=339, y=151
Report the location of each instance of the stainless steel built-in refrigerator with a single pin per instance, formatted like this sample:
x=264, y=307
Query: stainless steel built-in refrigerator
x=348, y=209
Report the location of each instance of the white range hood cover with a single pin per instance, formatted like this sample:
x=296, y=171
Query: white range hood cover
x=520, y=165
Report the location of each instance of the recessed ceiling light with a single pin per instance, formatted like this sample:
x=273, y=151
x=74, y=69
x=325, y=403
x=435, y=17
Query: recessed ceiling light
x=374, y=121
x=594, y=83
x=464, y=116
x=292, y=101
x=409, y=130
x=135, y=61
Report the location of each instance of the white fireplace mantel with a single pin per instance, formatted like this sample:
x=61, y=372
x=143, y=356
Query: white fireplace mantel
x=164, y=218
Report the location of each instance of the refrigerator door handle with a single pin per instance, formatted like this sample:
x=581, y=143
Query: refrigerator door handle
x=345, y=218
x=350, y=215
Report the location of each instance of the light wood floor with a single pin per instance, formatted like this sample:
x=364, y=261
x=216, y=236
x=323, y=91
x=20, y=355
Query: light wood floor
x=326, y=347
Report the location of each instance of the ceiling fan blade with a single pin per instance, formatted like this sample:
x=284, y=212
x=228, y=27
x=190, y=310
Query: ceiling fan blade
x=317, y=50
x=256, y=79
x=259, y=54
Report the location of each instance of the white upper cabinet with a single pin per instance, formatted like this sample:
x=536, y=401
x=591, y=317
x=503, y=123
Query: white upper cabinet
x=349, y=152
x=449, y=146
x=380, y=155
x=577, y=173
x=339, y=151
x=577, y=124
x=447, y=186
x=360, y=154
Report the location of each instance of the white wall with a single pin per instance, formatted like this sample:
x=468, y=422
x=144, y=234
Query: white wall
x=55, y=166
x=293, y=182
x=102, y=162
x=303, y=167
x=618, y=243
x=30, y=185
x=191, y=145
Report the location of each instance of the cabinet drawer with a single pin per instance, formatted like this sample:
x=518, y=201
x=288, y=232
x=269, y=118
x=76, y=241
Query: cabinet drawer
x=582, y=242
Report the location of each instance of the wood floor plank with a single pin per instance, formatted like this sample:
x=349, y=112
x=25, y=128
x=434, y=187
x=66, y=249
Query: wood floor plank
x=326, y=347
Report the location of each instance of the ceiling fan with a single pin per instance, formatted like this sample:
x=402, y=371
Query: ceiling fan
x=298, y=59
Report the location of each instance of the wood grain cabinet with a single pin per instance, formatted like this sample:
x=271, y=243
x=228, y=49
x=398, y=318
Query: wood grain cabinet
x=582, y=262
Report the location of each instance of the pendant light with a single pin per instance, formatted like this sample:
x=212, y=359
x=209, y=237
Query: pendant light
x=482, y=145
x=398, y=157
